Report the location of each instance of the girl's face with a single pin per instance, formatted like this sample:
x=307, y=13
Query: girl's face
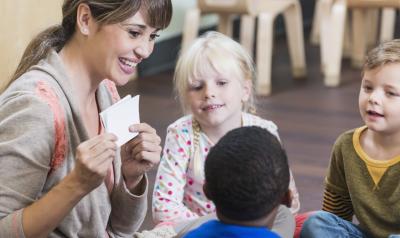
x=379, y=99
x=215, y=99
x=115, y=50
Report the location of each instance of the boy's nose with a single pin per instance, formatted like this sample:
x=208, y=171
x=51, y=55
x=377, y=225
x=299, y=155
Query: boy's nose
x=373, y=98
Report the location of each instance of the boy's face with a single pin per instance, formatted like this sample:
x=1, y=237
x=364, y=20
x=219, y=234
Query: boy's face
x=379, y=99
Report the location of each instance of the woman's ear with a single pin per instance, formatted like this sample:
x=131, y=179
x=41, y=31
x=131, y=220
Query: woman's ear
x=83, y=19
x=247, y=89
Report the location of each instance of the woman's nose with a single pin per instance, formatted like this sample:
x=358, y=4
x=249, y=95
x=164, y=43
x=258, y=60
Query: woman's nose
x=144, y=49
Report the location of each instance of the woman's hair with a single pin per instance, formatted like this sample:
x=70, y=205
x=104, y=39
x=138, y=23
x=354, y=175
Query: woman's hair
x=219, y=53
x=105, y=12
x=385, y=53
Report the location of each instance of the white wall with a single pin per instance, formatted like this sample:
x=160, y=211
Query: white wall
x=179, y=9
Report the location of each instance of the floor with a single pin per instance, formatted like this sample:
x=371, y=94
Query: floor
x=309, y=115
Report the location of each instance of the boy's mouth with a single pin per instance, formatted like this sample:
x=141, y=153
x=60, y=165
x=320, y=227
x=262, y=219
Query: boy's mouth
x=374, y=113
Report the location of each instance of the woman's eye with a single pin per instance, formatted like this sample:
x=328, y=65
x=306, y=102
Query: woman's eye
x=134, y=34
x=154, y=36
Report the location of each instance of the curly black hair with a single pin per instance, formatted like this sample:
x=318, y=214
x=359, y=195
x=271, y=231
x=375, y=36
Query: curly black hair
x=247, y=174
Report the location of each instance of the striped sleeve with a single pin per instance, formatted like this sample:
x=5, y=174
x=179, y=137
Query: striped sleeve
x=336, y=198
x=338, y=204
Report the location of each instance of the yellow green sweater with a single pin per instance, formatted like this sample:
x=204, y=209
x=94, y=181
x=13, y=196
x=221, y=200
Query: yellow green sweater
x=362, y=186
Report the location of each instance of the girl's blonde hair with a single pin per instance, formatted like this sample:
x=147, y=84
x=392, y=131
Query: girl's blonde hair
x=218, y=52
x=159, y=14
x=385, y=53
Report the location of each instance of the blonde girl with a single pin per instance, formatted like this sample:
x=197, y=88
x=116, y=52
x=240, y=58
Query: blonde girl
x=214, y=82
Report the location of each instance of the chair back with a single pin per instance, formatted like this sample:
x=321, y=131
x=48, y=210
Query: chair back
x=227, y=6
x=373, y=3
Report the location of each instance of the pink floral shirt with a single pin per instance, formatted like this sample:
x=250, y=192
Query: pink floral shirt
x=178, y=194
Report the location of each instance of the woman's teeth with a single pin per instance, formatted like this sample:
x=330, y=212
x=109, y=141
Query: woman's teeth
x=128, y=62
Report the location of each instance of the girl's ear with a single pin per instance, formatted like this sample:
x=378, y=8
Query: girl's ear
x=247, y=89
x=83, y=19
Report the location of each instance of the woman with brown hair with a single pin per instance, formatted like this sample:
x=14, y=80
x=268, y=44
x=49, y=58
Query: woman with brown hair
x=61, y=174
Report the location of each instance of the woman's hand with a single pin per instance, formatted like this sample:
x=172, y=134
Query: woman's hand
x=140, y=154
x=93, y=159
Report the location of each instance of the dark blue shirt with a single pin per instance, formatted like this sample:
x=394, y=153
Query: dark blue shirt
x=217, y=229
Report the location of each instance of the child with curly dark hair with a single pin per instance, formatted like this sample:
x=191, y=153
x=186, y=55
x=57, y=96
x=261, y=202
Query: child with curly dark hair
x=247, y=178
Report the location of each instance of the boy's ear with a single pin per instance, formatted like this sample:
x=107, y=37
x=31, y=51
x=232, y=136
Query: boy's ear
x=206, y=192
x=287, y=199
x=83, y=19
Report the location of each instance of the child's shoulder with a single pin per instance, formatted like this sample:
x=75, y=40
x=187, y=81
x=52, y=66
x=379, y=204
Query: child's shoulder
x=183, y=123
x=253, y=120
x=347, y=136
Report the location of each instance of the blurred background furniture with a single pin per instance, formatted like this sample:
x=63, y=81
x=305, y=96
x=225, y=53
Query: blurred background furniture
x=20, y=21
x=332, y=29
x=265, y=11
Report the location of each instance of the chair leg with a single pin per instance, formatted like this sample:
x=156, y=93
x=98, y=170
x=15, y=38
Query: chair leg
x=359, y=37
x=332, y=30
x=225, y=24
x=190, y=28
x=347, y=39
x=315, y=33
x=294, y=30
x=247, y=24
x=387, y=24
x=264, y=53
x=371, y=26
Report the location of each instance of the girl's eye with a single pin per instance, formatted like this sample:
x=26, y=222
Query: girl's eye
x=195, y=87
x=221, y=83
x=154, y=36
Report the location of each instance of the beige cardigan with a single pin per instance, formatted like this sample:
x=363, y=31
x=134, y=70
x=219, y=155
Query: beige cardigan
x=40, y=128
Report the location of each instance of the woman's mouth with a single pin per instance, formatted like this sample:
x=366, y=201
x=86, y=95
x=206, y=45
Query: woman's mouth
x=127, y=66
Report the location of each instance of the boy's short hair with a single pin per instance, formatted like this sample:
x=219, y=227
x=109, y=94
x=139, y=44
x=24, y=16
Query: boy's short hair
x=387, y=52
x=247, y=174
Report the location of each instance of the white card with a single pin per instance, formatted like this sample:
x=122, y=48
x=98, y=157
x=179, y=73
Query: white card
x=120, y=116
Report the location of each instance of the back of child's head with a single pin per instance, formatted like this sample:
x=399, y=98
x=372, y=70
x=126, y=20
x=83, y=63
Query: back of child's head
x=213, y=52
x=387, y=52
x=247, y=174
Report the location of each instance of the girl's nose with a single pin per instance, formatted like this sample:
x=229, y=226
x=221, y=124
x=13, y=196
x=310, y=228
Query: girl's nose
x=209, y=92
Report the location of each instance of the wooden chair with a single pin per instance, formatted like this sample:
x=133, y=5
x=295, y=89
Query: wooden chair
x=265, y=11
x=333, y=18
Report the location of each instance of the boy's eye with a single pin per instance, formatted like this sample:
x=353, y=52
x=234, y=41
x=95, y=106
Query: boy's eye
x=391, y=93
x=367, y=88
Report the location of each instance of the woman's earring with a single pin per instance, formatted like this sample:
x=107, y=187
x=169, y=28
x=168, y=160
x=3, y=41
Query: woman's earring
x=85, y=31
